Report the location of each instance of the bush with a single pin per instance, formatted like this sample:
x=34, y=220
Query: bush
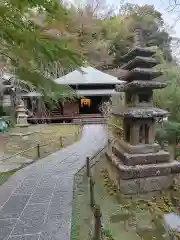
x=5, y=110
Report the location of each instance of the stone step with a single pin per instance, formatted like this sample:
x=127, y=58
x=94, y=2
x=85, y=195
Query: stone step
x=89, y=120
x=143, y=171
x=140, y=159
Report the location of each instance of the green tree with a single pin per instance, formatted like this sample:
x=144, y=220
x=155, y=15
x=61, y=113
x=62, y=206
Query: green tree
x=33, y=36
x=119, y=29
x=169, y=97
x=169, y=132
x=88, y=22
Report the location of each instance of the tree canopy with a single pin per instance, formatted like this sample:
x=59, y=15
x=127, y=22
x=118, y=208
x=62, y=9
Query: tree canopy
x=119, y=29
x=39, y=38
x=33, y=37
x=103, y=39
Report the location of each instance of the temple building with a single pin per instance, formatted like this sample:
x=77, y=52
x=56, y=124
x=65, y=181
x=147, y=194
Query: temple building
x=137, y=164
x=91, y=87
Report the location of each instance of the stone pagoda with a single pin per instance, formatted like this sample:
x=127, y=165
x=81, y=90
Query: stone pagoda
x=138, y=165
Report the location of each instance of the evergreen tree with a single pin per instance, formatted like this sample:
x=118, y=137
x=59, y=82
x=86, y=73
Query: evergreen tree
x=118, y=29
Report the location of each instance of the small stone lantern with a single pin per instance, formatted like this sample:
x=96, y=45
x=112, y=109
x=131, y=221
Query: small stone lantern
x=21, y=120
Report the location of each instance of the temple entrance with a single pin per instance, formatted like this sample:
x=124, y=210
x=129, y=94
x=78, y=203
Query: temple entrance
x=90, y=105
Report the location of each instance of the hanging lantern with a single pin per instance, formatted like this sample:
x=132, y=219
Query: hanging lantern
x=85, y=102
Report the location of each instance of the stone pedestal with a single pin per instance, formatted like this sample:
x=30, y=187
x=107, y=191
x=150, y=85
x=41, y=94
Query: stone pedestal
x=141, y=173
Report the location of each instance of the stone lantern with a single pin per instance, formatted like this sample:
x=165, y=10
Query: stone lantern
x=21, y=120
x=138, y=165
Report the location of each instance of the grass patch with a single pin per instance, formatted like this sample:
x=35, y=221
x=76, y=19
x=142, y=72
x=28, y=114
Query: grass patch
x=132, y=218
x=4, y=176
x=82, y=213
x=43, y=134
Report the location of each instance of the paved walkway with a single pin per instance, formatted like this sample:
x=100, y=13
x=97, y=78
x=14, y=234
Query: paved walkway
x=36, y=202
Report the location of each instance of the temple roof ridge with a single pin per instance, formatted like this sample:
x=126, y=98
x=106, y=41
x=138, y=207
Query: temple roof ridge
x=87, y=75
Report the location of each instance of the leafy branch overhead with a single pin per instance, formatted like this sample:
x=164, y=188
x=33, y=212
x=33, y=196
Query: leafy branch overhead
x=29, y=44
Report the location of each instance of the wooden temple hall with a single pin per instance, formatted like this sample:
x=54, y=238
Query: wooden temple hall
x=92, y=88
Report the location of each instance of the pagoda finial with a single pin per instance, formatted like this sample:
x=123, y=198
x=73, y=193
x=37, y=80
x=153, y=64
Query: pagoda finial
x=138, y=37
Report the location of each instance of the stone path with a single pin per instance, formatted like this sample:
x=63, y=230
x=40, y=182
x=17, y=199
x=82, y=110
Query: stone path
x=36, y=202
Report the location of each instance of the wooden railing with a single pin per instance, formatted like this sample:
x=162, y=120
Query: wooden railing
x=38, y=147
x=95, y=208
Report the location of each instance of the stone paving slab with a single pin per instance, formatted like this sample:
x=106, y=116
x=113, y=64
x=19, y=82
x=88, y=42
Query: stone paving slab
x=26, y=187
x=32, y=219
x=25, y=237
x=36, y=202
x=14, y=206
x=6, y=226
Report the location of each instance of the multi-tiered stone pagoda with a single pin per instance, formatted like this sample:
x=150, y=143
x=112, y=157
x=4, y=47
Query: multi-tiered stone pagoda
x=138, y=165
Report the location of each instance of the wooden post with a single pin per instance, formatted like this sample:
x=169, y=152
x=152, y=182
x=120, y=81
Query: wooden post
x=87, y=167
x=97, y=224
x=91, y=183
x=38, y=151
x=76, y=136
x=79, y=127
x=61, y=141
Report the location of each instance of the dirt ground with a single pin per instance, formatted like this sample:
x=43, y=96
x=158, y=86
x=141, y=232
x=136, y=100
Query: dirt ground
x=54, y=136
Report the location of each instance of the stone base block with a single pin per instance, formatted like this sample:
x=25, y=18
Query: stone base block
x=140, y=159
x=142, y=171
x=22, y=125
x=145, y=185
x=140, y=179
x=142, y=148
